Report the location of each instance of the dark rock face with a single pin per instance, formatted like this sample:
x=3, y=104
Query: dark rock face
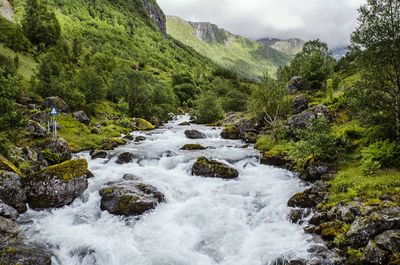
x=193, y=134
x=81, y=117
x=37, y=130
x=11, y=191
x=125, y=158
x=213, y=169
x=130, y=197
x=60, y=104
x=303, y=120
x=98, y=154
x=57, y=185
x=140, y=139
x=375, y=255
x=300, y=104
x=389, y=240
x=157, y=15
x=193, y=147
x=8, y=212
x=58, y=146
x=233, y=133
x=276, y=160
x=310, y=197
x=24, y=254
x=295, y=85
x=314, y=172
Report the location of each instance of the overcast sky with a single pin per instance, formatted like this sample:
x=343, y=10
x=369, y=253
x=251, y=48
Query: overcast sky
x=330, y=20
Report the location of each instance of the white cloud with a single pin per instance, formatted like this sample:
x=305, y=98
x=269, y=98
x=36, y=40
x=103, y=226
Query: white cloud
x=330, y=20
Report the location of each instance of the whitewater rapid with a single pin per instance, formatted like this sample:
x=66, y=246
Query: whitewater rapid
x=203, y=221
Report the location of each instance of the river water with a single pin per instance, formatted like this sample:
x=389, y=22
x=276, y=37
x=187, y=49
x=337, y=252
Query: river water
x=203, y=221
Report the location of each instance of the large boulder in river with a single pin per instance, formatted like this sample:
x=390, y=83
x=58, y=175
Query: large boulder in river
x=98, y=154
x=81, y=117
x=300, y=104
x=141, y=125
x=193, y=134
x=58, y=146
x=11, y=190
x=213, y=169
x=310, y=197
x=57, y=102
x=125, y=158
x=57, y=185
x=232, y=132
x=112, y=142
x=130, y=197
x=303, y=120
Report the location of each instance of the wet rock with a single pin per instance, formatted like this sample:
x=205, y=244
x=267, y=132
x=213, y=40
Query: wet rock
x=58, y=146
x=193, y=147
x=295, y=215
x=318, y=218
x=24, y=254
x=299, y=104
x=60, y=104
x=213, y=169
x=375, y=255
x=310, y=197
x=365, y=228
x=57, y=185
x=35, y=129
x=128, y=137
x=98, y=154
x=130, y=197
x=314, y=172
x=233, y=133
x=250, y=137
x=125, y=158
x=330, y=230
x=185, y=123
x=342, y=212
x=295, y=84
x=389, y=240
x=193, y=134
x=140, y=139
x=81, y=117
x=141, y=125
x=276, y=159
x=303, y=120
x=112, y=142
x=8, y=166
x=8, y=212
x=11, y=190
x=310, y=229
x=8, y=226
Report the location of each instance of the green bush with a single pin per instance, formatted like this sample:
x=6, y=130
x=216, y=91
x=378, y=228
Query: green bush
x=265, y=143
x=208, y=108
x=51, y=157
x=386, y=153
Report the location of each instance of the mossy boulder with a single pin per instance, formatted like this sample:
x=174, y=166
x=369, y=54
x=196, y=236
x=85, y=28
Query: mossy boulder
x=295, y=84
x=58, y=146
x=35, y=129
x=213, y=169
x=194, y=134
x=57, y=185
x=60, y=104
x=8, y=166
x=389, y=240
x=12, y=191
x=140, y=139
x=185, y=123
x=330, y=230
x=130, y=197
x=310, y=197
x=276, y=159
x=81, y=117
x=181, y=111
x=250, y=138
x=303, y=120
x=24, y=254
x=193, y=147
x=139, y=124
x=98, y=154
x=232, y=132
x=375, y=255
x=125, y=158
x=300, y=103
x=112, y=142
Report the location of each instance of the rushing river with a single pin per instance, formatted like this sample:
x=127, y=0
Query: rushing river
x=203, y=221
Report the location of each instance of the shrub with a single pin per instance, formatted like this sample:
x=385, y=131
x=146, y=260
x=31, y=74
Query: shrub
x=51, y=157
x=265, y=143
x=384, y=152
x=208, y=108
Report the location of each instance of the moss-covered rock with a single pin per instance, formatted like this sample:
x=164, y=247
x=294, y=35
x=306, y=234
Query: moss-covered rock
x=112, y=142
x=98, y=154
x=375, y=255
x=330, y=230
x=193, y=147
x=57, y=102
x=232, y=132
x=57, y=185
x=8, y=166
x=310, y=197
x=11, y=190
x=185, y=123
x=276, y=159
x=139, y=124
x=140, y=139
x=125, y=158
x=58, y=146
x=213, y=169
x=250, y=138
x=181, y=111
x=130, y=197
x=17, y=253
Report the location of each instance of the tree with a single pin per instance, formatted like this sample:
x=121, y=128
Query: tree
x=39, y=24
x=208, y=107
x=378, y=35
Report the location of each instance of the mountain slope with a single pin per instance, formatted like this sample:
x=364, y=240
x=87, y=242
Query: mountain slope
x=289, y=46
x=247, y=57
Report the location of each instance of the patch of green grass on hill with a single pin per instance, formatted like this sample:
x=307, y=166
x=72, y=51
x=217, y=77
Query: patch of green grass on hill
x=27, y=64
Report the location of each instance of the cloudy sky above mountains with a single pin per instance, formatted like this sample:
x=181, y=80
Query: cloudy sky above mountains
x=330, y=20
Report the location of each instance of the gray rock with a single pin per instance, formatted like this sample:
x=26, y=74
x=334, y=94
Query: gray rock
x=300, y=104
x=34, y=128
x=318, y=218
x=375, y=255
x=33, y=106
x=157, y=15
x=129, y=198
x=60, y=104
x=295, y=215
x=125, y=158
x=193, y=134
x=295, y=85
x=8, y=212
x=42, y=117
x=310, y=197
x=140, y=139
x=8, y=226
x=303, y=120
x=365, y=228
x=11, y=191
x=81, y=117
x=314, y=172
x=57, y=185
x=233, y=133
x=58, y=146
x=213, y=169
x=389, y=240
x=98, y=154
x=24, y=254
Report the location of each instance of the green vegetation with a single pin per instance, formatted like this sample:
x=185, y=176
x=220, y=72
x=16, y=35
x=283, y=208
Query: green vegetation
x=246, y=57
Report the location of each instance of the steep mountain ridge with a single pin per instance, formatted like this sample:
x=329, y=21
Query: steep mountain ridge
x=290, y=46
x=248, y=58
x=157, y=15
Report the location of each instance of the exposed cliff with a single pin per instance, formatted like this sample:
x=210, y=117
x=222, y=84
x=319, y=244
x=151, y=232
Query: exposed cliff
x=157, y=15
x=210, y=32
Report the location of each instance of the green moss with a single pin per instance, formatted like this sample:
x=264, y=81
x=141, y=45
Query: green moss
x=355, y=257
x=51, y=157
x=141, y=125
x=8, y=166
x=331, y=230
x=72, y=169
x=193, y=147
